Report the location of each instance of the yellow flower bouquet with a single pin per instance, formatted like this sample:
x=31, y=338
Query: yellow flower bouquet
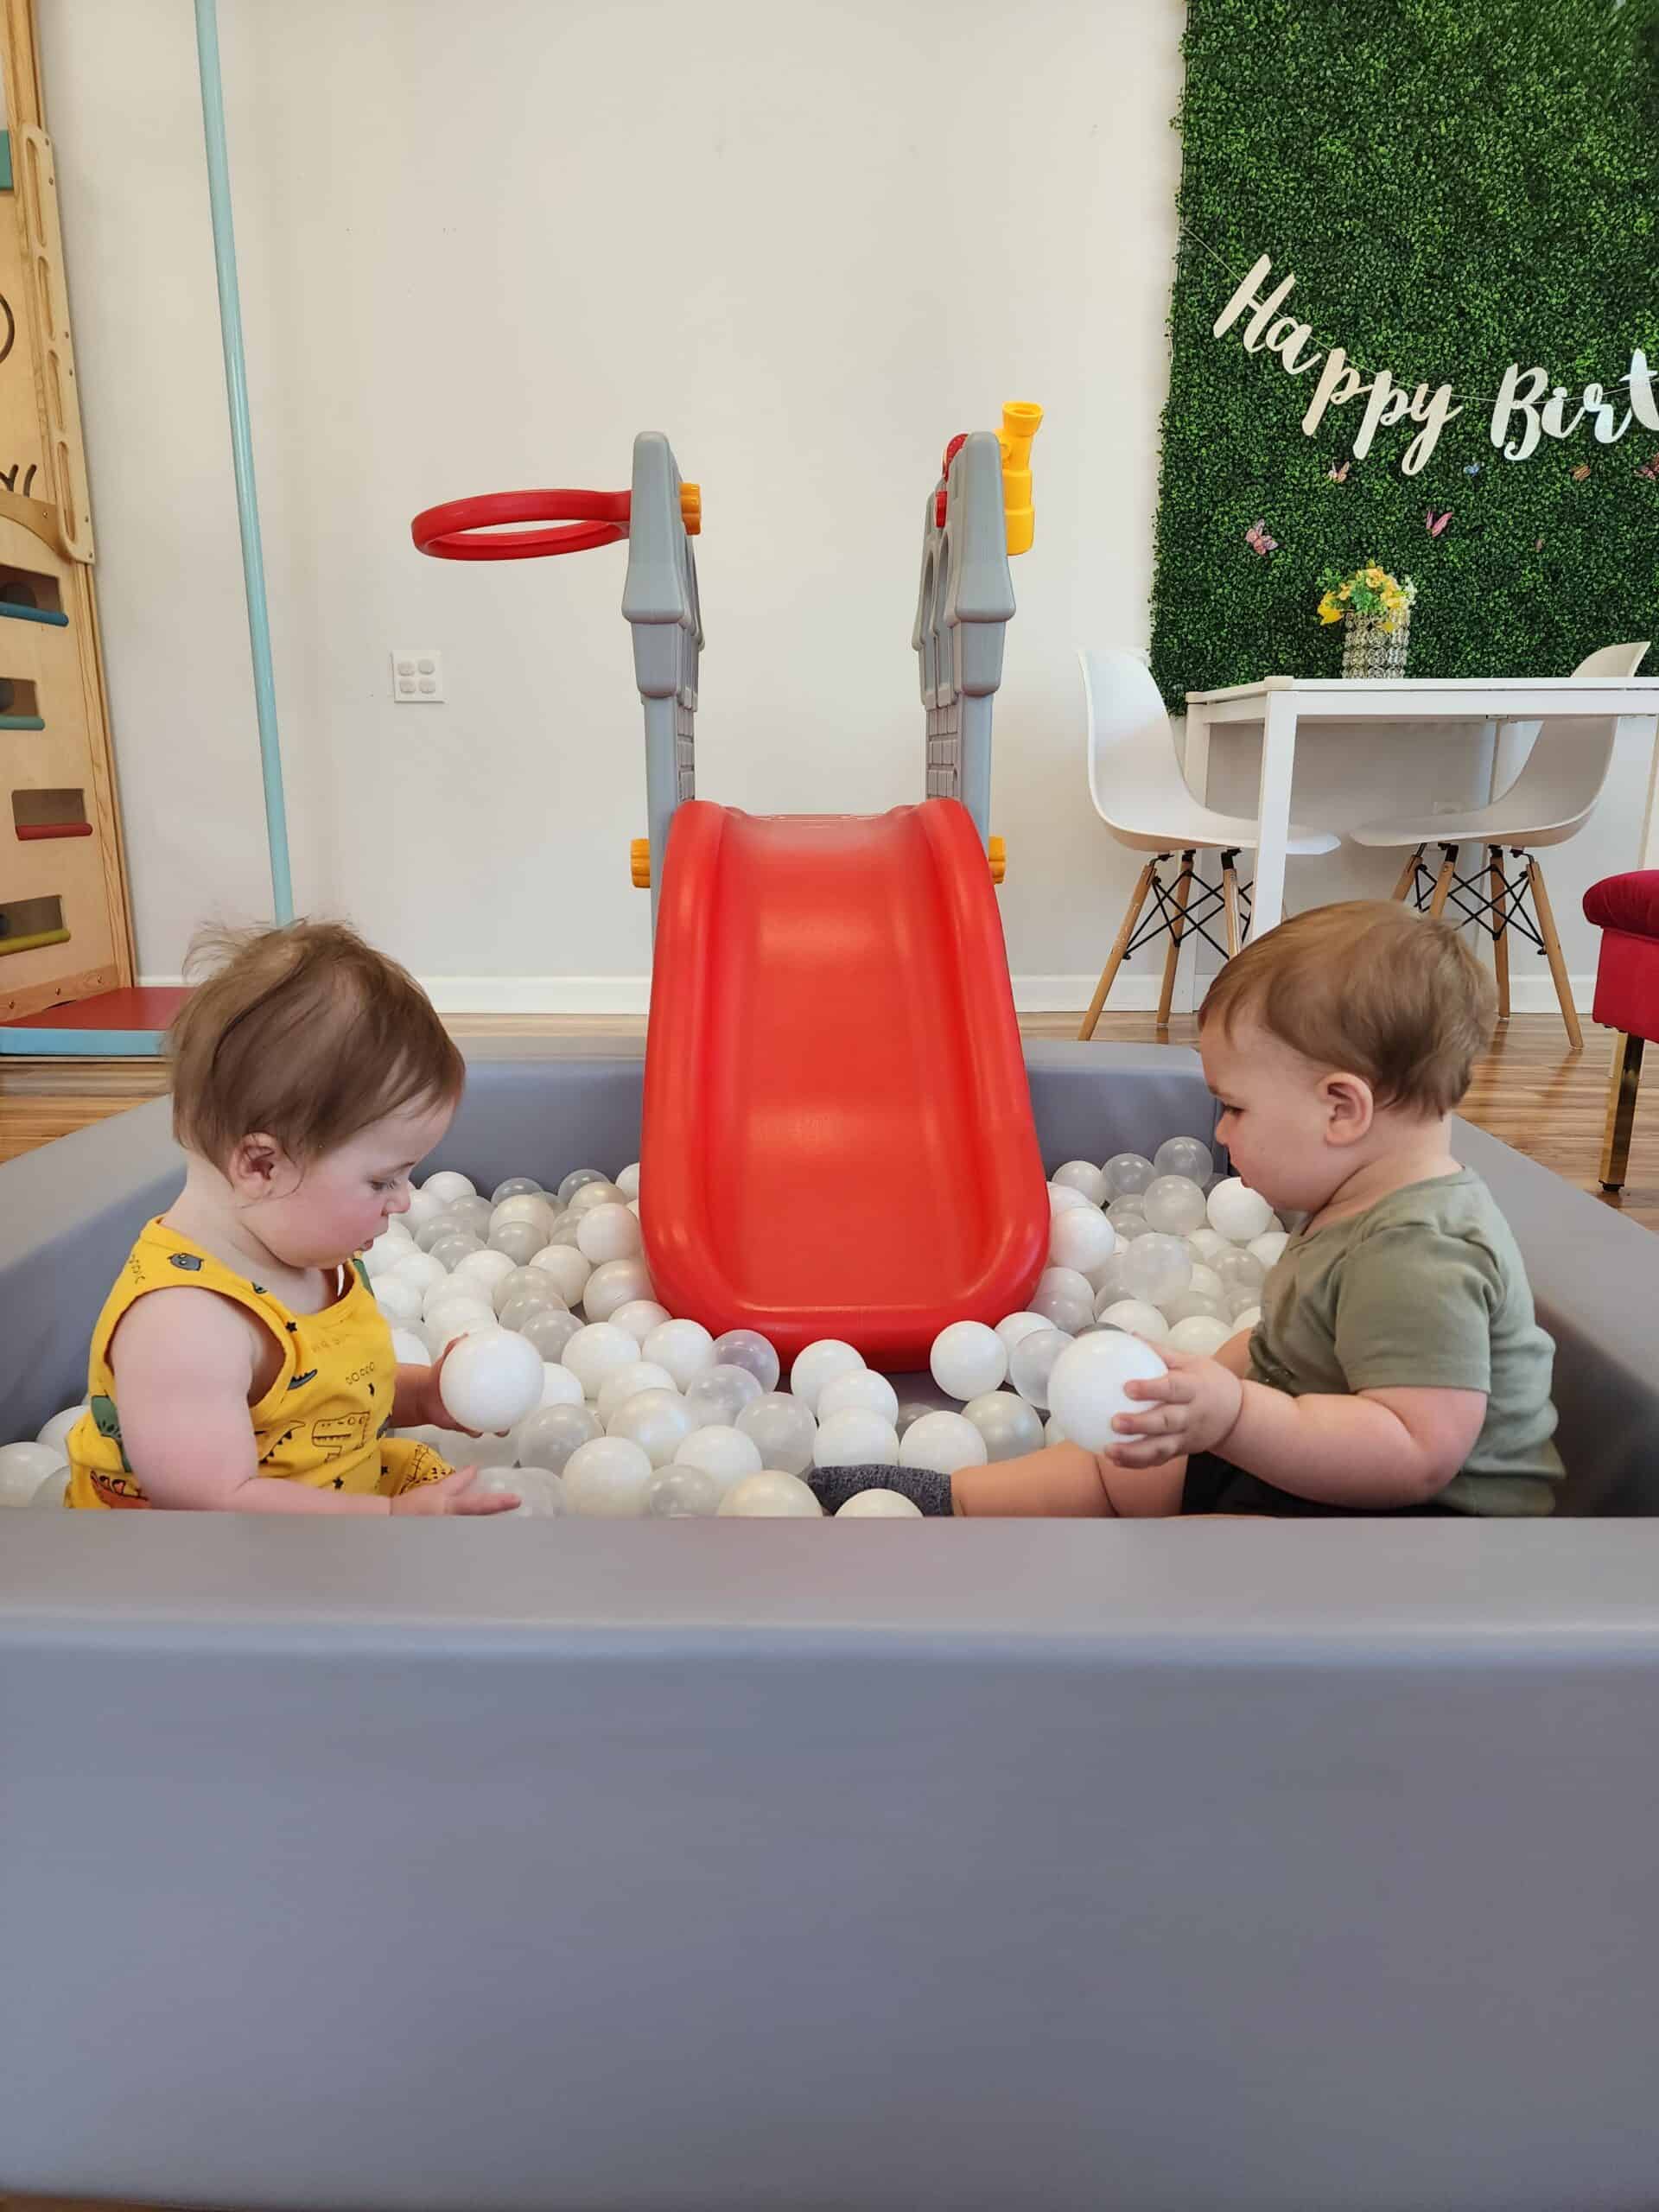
x=1376, y=609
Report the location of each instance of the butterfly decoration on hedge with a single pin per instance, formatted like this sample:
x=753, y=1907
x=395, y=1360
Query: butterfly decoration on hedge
x=1339, y=475
x=1473, y=469
x=1434, y=524
x=1581, y=472
x=1258, y=541
x=1651, y=470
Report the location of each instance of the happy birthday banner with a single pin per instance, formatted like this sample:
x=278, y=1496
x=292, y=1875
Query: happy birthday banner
x=1526, y=409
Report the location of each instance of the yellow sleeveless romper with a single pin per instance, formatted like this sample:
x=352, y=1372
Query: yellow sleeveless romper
x=324, y=1420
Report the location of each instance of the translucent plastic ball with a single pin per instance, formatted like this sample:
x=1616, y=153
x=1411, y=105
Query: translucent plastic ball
x=608, y=1479
x=1269, y=1248
x=1087, y=1386
x=446, y=1187
x=565, y=1268
x=539, y=1492
x=23, y=1468
x=596, y=1351
x=1240, y=1213
x=819, y=1364
x=462, y=1450
x=1080, y=1175
x=1128, y=1216
x=608, y=1232
x=559, y=1386
x=453, y=1246
x=520, y=1240
x=564, y=1228
x=48, y=1496
x=625, y=1382
x=1248, y=1319
x=516, y=1187
x=684, y=1347
x=748, y=1348
x=770, y=1496
x=1013, y=1326
x=491, y=1379
x=1127, y=1173
x=1062, y=1198
x=1206, y=1281
x=421, y=1209
x=627, y=1180
x=410, y=1350
x=1139, y=1318
x=384, y=1254
x=519, y=1309
x=1111, y=1279
x=683, y=1493
x=431, y=1229
x=967, y=1359
x=943, y=1442
x=474, y=1215
x=420, y=1269
x=612, y=1284
x=640, y=1316
x=1053, y=1432
x=547, y=1437
x=1009, y=1427
x=1207, y=1243
x=657, y=1421
x=595, y=1194
x=454, y=1317
x=725, y=1454
x=533, y=1283
x=1081, y=1239
x=1187, y=1156
x=1063, y=1310
x=782, y=1429
x=910, y=1410
x=1240, y=1273
x=398, y=1300
x=1029, y=1365
x=863, y=1389
x=483, y=1271
x=1194, y=1305
x=1198, y=1334
x=1173, y=1204
x=573, y=1181
x=548, y=1328
x=719, y=1396
x=1156, y=1267
x=880, y=1505
x=857, y=1438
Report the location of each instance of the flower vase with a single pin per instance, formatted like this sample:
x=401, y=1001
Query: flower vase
x=1370, y=650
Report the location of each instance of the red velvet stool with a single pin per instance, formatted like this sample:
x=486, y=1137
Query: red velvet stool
x=1626, y=909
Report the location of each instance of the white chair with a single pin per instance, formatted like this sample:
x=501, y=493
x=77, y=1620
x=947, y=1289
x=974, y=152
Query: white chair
x=1549, y=801
x=1141, y=796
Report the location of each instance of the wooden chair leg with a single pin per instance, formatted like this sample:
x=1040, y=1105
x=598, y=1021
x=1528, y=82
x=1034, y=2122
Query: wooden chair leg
x=1177, y=931
x=1114, y=960
x=1229, y=901
x=1444, y=881
x=1553, y=950
x=1621, y=1110
x=1500, y=898
x=1408, y=882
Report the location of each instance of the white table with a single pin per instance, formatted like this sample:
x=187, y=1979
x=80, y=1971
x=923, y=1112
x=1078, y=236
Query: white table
x=1285, y=706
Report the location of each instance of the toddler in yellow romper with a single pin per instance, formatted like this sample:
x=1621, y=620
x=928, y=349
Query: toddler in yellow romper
x=240, y=1361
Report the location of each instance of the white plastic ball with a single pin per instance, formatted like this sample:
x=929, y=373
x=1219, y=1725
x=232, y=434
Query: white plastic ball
x=1030, y=1363
x=684, y=1347
x=943, y=1442
x=23, y=1468
x=1248, y=1319
x=679, y=1493
x=1198, y=1334
x=1173, y=1204
x=410, y=1349
x=547, y=1437
x=1081, y=1176
x=420, y=1269
x=608, y=1479
x=1086, y=1387
x=657, y=1421
x=573, y=1181
x=720, y=1394
x=608, y=1232
x=783, y=1429
x=879, y=1505
x=1269, y=1248
x=565, y=1268
x=1209, y=1282
x=819, y=1364
x=55, y=1435
x=1207, y=1244
x=1062, y=1198
x=748, y=1349
x=421, y=1210
x=863, y=1389
x=725, y=1454
x=1081, y=1239
x=639, y=1315
x=1127, y=1173
x=454, y=1317
x=1185, y=1156
x=1240, y=1213
x=483, y=1271
x=1013, y=1326
x=398, y=1300
x=532, y=1209
x=770, y=1496
x=595, y=1194
x=491, y=1379
x=1139, y=1317
x=1053, y=1432
x=1009, y=1426
x=857, y=1438
x=383, y=1256
x=625, y=1382
x=967, y=1359
x=627, y=1180
x=559, y=1386
x=50, y=1496
x=471, y=1214
x=446, y=1187
x=614, y=1284
x=596, y=1351
x=515, y=1186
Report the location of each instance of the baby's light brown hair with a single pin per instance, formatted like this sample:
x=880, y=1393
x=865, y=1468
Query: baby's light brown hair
x=1369, y=987
x=304, y=1034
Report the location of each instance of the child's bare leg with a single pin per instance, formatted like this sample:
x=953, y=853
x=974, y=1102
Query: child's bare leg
x=1065, y=1480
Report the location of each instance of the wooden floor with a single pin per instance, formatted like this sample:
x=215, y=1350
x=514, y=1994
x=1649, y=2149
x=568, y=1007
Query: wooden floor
x=1531, y=1091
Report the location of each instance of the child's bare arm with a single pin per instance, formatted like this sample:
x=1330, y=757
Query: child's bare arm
x=1064, y=1479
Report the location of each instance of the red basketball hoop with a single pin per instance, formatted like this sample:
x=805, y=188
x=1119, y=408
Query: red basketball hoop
x=470, y=530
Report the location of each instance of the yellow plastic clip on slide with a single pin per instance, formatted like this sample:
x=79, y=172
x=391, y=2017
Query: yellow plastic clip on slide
x=640, y=863
x=1020, y=422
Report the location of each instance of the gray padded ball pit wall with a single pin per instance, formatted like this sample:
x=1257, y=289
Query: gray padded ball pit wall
x=671, y=1866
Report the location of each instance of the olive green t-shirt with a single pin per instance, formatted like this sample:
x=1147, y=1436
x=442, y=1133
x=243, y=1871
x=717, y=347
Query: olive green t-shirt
x=1424, y=1291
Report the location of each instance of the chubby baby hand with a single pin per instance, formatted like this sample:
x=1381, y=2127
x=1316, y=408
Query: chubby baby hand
x=1192, y=1408
x=454, y=1494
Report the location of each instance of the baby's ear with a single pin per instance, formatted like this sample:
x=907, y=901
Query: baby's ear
x=254, y=1164
x=1350, y=1107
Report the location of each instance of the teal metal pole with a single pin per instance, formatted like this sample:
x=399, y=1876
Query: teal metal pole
x=247, y=498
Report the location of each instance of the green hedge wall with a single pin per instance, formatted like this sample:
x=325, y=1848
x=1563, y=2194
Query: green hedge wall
x=1457, y=185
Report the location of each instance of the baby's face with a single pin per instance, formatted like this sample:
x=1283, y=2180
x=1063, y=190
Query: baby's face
x=318, y=1216
x=1275, y=1117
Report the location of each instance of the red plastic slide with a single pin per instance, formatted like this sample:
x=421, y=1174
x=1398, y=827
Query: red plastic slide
x=838, y=1139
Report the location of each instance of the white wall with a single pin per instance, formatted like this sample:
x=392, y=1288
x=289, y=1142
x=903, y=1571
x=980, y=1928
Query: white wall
x=481, y=247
